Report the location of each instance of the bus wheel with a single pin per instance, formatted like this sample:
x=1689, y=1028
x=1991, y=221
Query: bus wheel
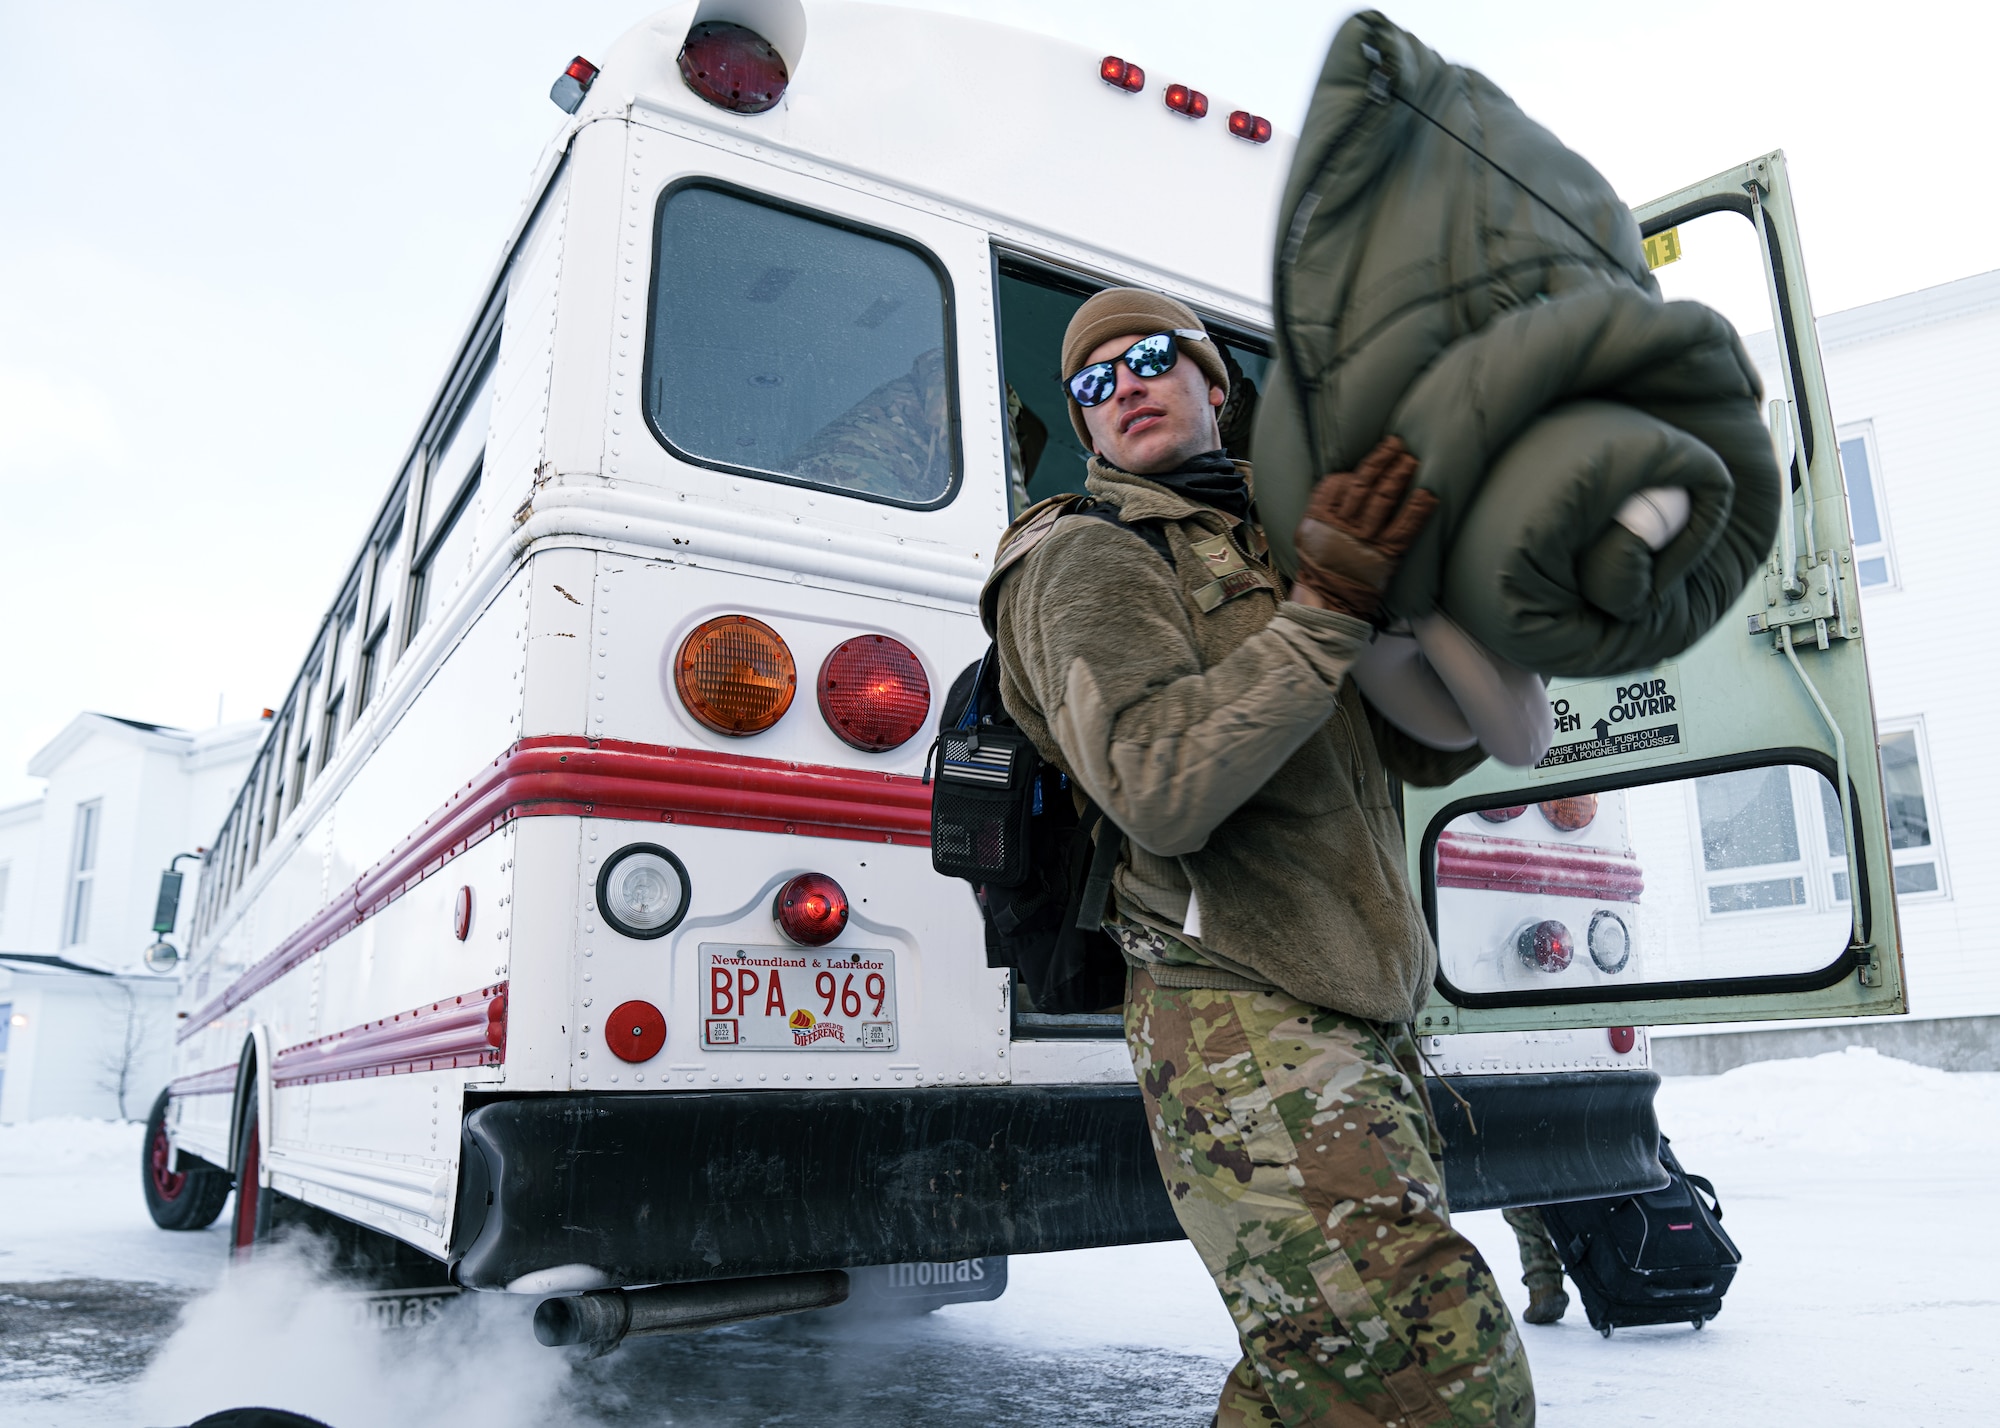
x=252, y=1224
x=182, y=1193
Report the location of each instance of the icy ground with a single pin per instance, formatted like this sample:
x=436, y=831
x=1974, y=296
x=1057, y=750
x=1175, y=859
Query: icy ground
x=1862, y=1191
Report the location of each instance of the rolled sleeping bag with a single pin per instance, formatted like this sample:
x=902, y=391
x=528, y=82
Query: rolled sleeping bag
x=1581, y=537
x=1445, y=690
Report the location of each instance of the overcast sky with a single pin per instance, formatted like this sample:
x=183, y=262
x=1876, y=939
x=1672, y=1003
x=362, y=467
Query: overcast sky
x=237, y=243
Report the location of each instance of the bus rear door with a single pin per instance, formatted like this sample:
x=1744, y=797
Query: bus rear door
x=1706, y=841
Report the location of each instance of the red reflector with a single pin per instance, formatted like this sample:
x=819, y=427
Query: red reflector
x=811, y=909
x=1182, y=100
x=873, y=693
x=582, y=71
x=733, y=68
x=461, y=914
x=1114, y=70
x=635, y=1031
x=1254, y=127
x=496, y=1022
x=1546, y=946
x=1623, y=1038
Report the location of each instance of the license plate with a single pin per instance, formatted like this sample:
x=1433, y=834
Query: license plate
x=795, y=999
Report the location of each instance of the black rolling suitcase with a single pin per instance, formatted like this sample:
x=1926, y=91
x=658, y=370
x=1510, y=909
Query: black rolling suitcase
x=1657, y=1258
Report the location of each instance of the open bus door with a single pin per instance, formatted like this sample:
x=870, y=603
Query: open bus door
x=1723, y=809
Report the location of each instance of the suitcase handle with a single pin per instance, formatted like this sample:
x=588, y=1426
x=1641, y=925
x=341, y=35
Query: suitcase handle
x=1707, y=1187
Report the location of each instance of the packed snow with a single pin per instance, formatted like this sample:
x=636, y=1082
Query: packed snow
x=1860, y=1189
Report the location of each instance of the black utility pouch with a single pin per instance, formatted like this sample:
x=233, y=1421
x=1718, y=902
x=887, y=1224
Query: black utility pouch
x=981, y=800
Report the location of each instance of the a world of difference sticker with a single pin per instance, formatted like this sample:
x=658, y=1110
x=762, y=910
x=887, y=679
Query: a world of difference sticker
x=1616, y=716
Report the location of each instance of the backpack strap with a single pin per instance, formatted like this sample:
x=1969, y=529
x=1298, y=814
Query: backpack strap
x=1038, y=523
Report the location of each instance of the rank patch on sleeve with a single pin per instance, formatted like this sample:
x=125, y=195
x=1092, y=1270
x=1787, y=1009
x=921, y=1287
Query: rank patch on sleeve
x=1230, y=574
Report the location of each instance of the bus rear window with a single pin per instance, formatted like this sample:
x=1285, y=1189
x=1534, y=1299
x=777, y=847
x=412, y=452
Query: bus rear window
x=800, y=350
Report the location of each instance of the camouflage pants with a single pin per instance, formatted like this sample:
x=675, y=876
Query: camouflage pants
x=1303, y=1163
x=1538, y=1251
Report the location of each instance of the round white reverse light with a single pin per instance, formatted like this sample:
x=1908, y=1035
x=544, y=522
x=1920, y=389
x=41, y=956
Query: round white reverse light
x=643, y=891
x=1610, y=941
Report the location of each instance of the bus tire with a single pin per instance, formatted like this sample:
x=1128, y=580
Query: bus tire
x=182, y=1192
x=251, y=1225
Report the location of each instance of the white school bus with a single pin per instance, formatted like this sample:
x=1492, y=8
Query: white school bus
x=575, y=933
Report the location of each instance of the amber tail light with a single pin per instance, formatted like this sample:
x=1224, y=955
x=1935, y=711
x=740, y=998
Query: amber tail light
x=735, y=675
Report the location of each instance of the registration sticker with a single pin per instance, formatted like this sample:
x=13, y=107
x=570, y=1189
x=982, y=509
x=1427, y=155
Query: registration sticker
x=796, y=998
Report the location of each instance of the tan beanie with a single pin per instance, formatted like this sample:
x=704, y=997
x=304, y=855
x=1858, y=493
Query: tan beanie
x=1134, y=313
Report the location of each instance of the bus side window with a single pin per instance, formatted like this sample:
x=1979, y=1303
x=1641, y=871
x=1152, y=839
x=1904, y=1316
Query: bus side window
x=1036, y=304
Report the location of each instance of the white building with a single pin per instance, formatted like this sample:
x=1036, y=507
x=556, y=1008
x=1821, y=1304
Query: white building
x=84, y=1029
x=1915, y=386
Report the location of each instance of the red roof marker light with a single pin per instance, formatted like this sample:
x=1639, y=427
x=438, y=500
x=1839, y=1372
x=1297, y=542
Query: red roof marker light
x=1254, y=127
x=733, y=67
x=572, y=84
x=1116, y=72
x=1182, y=100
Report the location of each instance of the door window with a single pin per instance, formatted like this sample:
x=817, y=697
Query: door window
x=798, y=349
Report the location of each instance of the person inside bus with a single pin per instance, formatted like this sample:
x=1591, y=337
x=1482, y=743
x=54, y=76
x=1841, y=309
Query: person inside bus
x=1276, y=954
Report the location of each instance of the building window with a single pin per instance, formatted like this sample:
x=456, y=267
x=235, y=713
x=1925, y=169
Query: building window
x=1761, y=831
x=82, y=873
x=802, y=350
x=1913, y=836
x=1858, y=462
x=5, y=868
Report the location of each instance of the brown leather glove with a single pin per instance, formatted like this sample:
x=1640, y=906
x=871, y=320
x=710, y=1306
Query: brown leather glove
x=1357, y=526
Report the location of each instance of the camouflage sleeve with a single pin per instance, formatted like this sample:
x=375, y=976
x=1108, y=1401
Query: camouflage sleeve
x=1095, y=637
x=896, y=441
x=1418, y=764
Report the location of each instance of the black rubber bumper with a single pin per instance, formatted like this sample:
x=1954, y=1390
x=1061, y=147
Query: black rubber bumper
x=653, y=1188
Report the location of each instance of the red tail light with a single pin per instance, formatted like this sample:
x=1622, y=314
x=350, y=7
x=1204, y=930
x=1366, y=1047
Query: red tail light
x=496, y=1022
x=733, y=68
x=811, y=909
x=1545, y=946
x=1570, y=814
x=873, y=693
x=1115, y=71
x=1182, y=100
x=1254, y=127
x=635, y=1031
x=1503, y=815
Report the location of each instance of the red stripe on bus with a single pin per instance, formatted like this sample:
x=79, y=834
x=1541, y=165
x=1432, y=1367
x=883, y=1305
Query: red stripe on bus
x=606, y=778
x=205, y=1083
x=442, y=1036
x=1472, y=860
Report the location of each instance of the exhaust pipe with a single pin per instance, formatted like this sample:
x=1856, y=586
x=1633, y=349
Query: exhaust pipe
x=604, y=1318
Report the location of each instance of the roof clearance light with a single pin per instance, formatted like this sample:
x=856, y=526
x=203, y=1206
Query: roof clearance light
x=1117, y=73
x=735, y=675
x=572, y=84
x=811, y=909
x=733, y=68
x=1570, y=814
x=1254, y=127
x=1191, y=102
x=1545, y=946
x=873, y=693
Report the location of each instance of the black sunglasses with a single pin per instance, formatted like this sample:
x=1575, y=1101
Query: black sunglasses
x=1148, y=357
